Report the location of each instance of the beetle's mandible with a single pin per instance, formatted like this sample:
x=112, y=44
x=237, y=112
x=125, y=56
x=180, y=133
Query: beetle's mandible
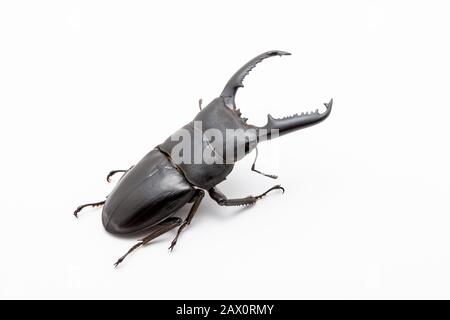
x=149, y=193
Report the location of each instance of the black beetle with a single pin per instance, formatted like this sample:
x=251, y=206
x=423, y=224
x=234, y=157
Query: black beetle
x=149, y=193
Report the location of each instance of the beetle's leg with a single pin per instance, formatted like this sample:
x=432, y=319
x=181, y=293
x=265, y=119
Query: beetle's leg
x=113, y=172
x=155, y=232
x=257, y=171
x=94, y=204
x=197, y=199
x=222, y=200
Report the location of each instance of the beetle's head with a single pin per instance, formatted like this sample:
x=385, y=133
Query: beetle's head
x=227, y=133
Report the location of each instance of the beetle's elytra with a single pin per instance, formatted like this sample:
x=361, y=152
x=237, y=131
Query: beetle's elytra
x=179, y=171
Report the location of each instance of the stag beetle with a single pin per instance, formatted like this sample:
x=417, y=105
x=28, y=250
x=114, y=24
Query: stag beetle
x=149, y=193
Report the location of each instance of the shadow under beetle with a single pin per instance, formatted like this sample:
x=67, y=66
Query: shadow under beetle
x=149, y=193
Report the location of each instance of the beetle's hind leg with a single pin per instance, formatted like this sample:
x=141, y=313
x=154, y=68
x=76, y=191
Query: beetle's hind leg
x=222, y=200
x=113, y=172
x=198, y=197
x=155, y=232
x=93, y=204
x=257, y=171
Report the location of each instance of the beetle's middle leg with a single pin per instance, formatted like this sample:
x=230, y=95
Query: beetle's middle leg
x=198, y=197
x=222, y=200
x=93, y=204
x=113, y=172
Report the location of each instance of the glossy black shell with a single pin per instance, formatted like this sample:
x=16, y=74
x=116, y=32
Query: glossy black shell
x=215, y=116
x=157, y=187
x=149, y=193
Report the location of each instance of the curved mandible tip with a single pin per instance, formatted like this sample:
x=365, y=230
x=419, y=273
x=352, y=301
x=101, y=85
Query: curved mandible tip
x=237, y=79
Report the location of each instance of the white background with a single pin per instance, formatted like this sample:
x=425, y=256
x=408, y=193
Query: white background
x=90, y=86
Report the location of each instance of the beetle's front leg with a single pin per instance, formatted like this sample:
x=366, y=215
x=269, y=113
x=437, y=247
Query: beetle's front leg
x=257, y=171
x=222, y=200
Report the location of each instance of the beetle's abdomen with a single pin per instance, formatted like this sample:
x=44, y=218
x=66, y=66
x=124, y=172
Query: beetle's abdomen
x=149, y=193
